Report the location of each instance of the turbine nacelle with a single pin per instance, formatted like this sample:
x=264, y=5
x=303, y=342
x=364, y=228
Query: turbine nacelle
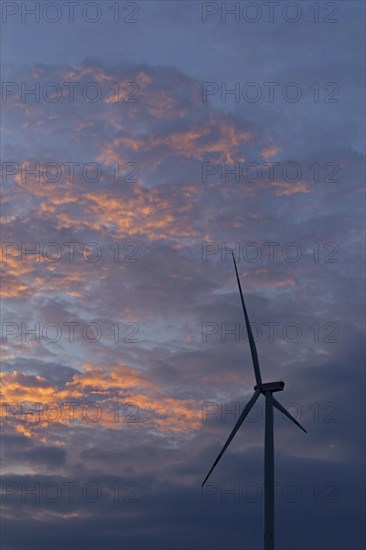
x=270, y=386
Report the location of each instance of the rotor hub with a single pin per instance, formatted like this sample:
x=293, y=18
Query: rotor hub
x=270, y=386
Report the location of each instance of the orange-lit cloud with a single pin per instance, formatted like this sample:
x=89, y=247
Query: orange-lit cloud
x=269, y=152
x=105, y=387
x=286, y=188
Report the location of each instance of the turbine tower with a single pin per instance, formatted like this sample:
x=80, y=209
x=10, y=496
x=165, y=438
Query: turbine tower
x=267, y=389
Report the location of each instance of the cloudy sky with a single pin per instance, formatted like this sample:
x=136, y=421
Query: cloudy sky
x=142, y=141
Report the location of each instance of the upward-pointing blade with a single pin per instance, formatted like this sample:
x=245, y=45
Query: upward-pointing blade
x=284, y=411
x=241, y=419
x=253, y=348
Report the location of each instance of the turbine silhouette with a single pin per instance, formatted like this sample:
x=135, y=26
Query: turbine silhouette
x=267, y=389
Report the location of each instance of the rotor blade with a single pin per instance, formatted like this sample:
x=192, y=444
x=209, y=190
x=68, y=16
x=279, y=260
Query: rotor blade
x=253, y=348
x=282, y=409
x=241, y=419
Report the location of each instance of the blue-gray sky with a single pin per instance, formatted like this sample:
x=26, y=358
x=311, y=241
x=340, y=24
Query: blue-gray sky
x=116, y=405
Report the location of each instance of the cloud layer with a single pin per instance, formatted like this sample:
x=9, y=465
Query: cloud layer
x=125, y=357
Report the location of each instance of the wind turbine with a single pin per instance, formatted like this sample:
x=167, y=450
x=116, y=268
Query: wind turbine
x=267, y=389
